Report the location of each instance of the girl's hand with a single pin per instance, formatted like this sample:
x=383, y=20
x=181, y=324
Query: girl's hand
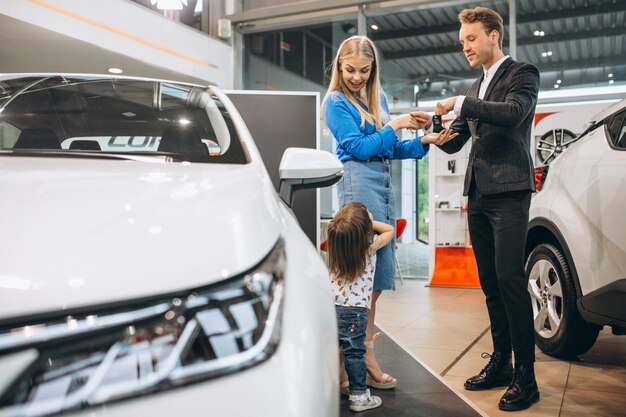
x=385, y=231
x=439, y=138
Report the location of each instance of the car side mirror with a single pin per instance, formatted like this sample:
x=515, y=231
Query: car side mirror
x=302, y=168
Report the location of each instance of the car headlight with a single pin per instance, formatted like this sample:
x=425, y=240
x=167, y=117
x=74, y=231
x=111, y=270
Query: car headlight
x=57, y=364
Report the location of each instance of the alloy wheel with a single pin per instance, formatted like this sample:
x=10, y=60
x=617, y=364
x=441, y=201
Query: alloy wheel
x=544, y=287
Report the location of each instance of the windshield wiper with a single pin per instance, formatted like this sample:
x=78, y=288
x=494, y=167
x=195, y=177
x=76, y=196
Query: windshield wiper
x=135, y=156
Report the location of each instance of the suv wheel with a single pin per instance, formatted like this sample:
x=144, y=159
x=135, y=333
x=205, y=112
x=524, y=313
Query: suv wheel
x=552, y=143
x=559, y=328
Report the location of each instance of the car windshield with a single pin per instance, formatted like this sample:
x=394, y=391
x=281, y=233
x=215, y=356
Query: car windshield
x=72, y=116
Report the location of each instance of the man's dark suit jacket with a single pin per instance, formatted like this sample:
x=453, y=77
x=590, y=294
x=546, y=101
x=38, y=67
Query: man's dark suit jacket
x=500, y=128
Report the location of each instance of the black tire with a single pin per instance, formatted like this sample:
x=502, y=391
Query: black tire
x=553, y=294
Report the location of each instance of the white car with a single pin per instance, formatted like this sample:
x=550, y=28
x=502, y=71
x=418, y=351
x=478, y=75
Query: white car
x=148, y=266
x=576, y=246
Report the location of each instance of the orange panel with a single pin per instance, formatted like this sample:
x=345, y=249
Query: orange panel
x=455, y=267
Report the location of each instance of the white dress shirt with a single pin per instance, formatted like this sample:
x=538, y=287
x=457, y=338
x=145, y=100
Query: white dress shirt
x=487, y=77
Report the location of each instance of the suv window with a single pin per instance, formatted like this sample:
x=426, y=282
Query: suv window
x=97, y=116
x=617, y=130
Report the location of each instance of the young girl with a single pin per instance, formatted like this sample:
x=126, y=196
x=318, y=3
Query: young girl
x=357, y=114
x=352, y=247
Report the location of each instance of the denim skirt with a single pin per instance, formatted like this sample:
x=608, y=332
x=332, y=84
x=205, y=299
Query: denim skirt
x=370, y=183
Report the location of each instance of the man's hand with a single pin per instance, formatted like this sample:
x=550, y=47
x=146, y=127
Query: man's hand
x=423, y=119
x=439, y=138
x=445, y=107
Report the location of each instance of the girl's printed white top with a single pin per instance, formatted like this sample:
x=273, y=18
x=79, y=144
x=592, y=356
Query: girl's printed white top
x=357, y=293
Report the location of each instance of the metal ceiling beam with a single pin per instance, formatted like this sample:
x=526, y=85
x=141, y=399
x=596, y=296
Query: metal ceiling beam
x=531, y=40
x=292, y=9
x=572, y=36
x=521, y=19
x=308, y=19
x=612, y=61
x=412, y=32
x=297, y=12
x=567, y=13
x=385, y=8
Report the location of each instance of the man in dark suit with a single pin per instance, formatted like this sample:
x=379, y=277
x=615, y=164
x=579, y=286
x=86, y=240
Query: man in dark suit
x=497, y=114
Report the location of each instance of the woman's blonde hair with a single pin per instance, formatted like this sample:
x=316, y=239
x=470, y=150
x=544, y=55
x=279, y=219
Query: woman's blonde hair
x=359, y=47
x=350, y=235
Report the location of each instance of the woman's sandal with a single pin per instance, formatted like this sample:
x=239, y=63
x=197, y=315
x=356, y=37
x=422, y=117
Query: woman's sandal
x=344, y=388
x=369, y=379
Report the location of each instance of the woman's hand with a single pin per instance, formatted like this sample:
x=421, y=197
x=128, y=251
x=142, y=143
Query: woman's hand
x=424, y=120
x=405, y=121
x=439, y=138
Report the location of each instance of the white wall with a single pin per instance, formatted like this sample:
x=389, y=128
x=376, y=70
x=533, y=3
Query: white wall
x=130, y=30
x=263, y=75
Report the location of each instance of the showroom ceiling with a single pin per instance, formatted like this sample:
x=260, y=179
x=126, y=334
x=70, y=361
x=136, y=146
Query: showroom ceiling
x=585, y=39
x=579, y=43
x=582, y=41
x=28, y=48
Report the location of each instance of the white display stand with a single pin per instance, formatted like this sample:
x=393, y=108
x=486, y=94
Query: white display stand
x=450, y=253
x=448, y=214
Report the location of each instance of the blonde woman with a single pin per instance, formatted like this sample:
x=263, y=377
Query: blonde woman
x=356, y=112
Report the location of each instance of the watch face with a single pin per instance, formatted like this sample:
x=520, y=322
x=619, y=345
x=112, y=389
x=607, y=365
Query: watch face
x=437, y=126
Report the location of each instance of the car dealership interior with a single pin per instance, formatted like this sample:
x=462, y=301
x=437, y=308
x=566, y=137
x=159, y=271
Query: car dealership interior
x=172, y=178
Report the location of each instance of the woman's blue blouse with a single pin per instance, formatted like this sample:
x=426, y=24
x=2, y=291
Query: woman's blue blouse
x=356, y=143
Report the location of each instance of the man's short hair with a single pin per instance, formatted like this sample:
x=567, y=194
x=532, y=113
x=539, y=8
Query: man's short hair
x=490, y=19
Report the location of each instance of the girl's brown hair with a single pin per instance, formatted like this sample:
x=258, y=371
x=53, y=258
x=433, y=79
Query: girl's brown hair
x=359, y=47
x=350, y=235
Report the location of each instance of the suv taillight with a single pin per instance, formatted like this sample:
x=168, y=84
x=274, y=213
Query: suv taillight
x=540, y=176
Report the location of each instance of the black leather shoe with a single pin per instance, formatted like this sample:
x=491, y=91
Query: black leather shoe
x=497, y=373
x=523, y=391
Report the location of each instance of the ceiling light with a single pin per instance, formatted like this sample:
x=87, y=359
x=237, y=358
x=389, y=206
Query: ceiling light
x=539, y=33
x=611, y=81
x=114, y=70
x=549, y=53
x=610, y=75
x=556, y=86
x=169, y=4
x=558, y=81
x=374, y=27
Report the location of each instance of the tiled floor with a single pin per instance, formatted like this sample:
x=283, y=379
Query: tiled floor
x=422, y=393
x=446, y=329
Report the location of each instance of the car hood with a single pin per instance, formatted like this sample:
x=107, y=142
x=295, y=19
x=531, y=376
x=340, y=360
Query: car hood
x=79, y=232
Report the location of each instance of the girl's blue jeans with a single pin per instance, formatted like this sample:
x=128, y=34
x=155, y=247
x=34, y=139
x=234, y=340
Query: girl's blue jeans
x=352, y=322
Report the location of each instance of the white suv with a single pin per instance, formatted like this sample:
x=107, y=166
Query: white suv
x=149, y=268
x=576, y=246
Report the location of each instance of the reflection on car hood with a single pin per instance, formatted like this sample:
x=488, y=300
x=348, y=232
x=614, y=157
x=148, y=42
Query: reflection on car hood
x=83, y=232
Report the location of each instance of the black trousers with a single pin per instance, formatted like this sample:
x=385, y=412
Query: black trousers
x=497, y=227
